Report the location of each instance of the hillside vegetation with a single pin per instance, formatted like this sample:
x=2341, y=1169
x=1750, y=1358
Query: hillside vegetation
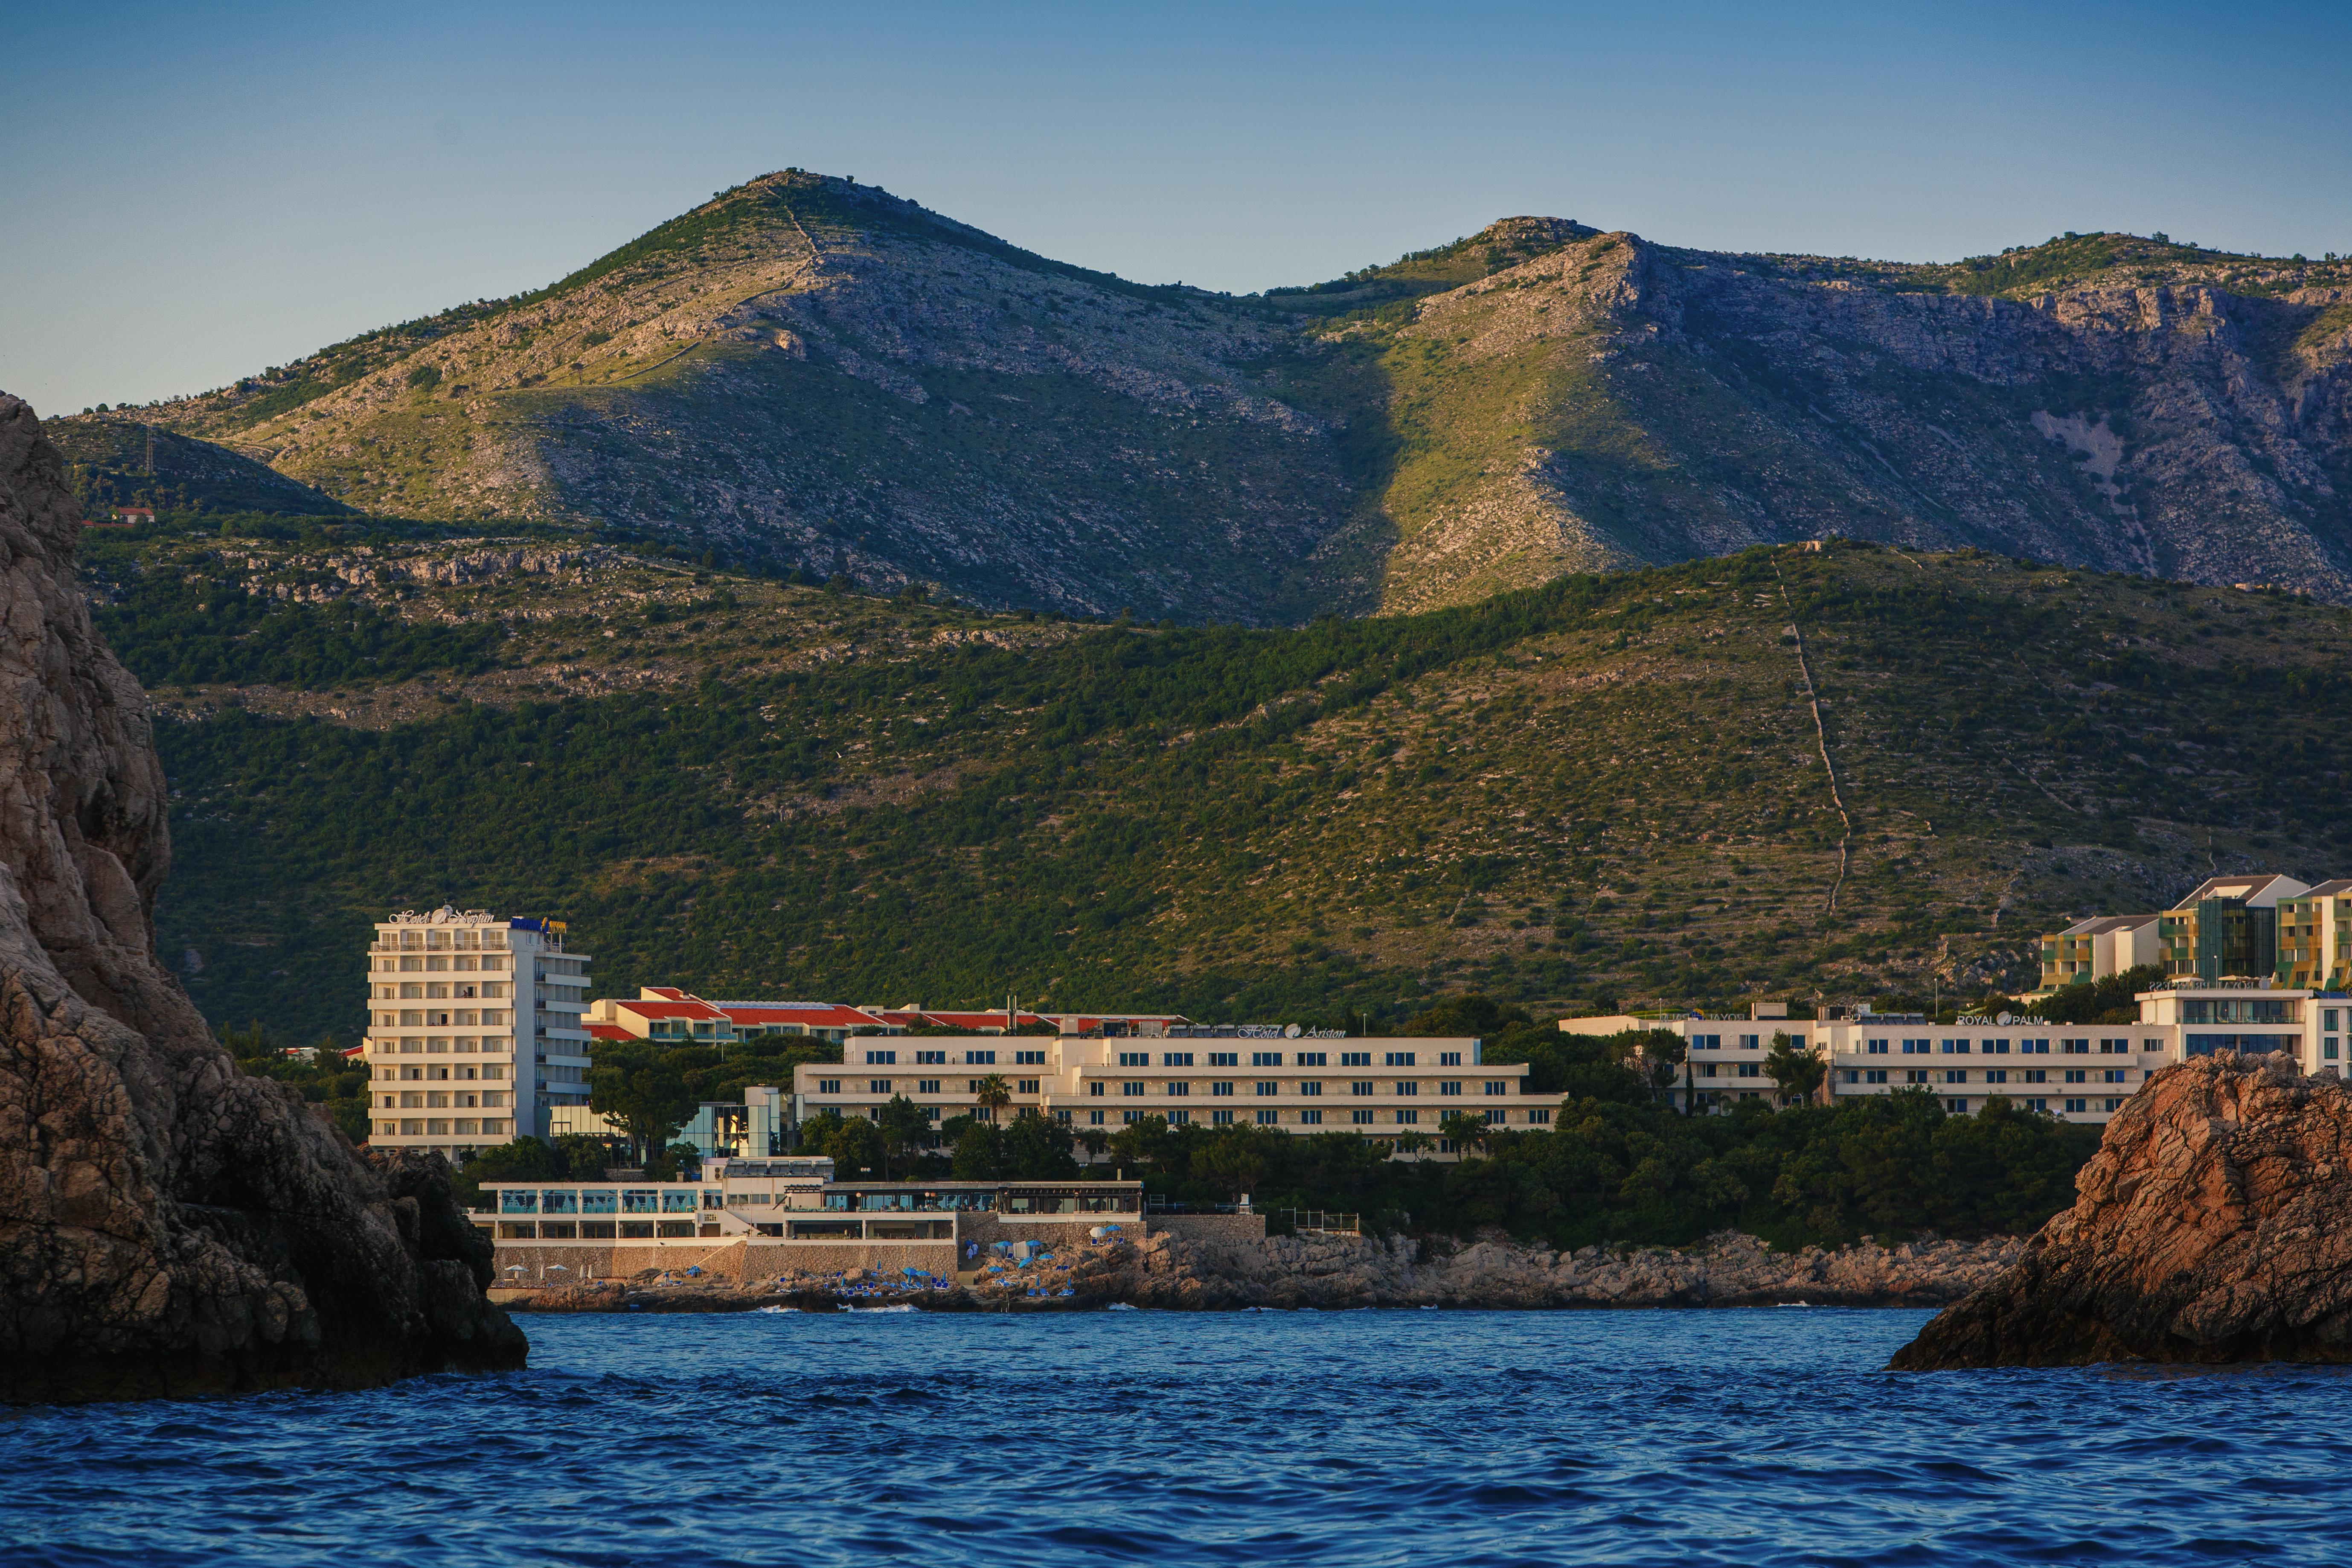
x=813, y=374
x=1604, y=792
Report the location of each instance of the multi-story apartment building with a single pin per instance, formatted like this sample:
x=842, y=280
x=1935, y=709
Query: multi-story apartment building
x=1211, y=1076
x=475, y=1029
x=2227, y=929
x=2315, y=937
x=2097, y=948
x=2247, y=926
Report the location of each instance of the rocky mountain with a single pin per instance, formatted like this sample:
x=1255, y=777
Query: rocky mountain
x=168, y=1225
x=812, y=372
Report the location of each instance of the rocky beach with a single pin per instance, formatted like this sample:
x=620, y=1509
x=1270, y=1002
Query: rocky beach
x=1162, y=1269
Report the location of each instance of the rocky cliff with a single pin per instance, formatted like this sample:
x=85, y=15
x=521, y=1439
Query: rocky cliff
x=2214, y=1224
x=815, y=371
x=167, y=1224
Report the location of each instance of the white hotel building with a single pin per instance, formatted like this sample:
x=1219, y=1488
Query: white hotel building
x=2077, y=1072
x=1213, y=1076
x=473, y=1029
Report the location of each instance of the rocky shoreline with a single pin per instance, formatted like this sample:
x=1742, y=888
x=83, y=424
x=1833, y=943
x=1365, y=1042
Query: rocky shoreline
x=1164, y=1270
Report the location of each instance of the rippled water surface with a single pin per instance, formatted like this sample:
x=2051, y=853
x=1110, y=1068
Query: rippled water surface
x=1343, y=1438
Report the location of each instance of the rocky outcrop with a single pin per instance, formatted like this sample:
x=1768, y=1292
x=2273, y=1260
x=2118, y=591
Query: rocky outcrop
x=2213, y=1224
x=168, y=1225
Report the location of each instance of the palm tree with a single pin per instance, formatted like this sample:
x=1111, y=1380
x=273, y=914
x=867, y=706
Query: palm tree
x=994, y=1093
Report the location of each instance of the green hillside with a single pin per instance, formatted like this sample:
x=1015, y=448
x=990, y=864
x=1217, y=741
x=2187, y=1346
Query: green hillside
x=1606, y=791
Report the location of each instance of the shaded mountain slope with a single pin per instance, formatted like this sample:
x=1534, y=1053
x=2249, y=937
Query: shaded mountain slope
x=818, y=373
x=124, y=462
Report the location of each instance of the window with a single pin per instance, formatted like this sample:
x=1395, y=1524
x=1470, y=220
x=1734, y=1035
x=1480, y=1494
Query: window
x=1400, y=1058
x=1958, y=1047
x=1355, y=1059
x=1751, y=1070
x=1359, y=1087
x=1029, y=1086
x=1095, y=1118
x=1095, y=1087
x=2034, y=1048
x=1061, y=1116
x=1130, y=1117
x=1220, y=1118
x=1748, y=1042
x=1037, y=1060
x=1225, y=1058
x=1539, y=1116
x=2112, y=1075
x=877, y=1086
x=1498, y=1086
x=980, y=1059
x=1263, y=1089
x=1361, y=1116
x=1914, y=1075
x=1706, y=1042
x=1265, y=1059
x=1874, y=1075
x=881, y=1058
x=2114, y=1105
x=1495, y=1116
x=1707, y=1069
x=927, y=1086
x=1873, y=1047
x=2077, y=1106
x=2151, y=1045
x=1449, y=1058
x=1175, y=1059
x=930, y=1059
x=2041, y=1105
x=1135, y=1059
x=2037, y=1075
x=1312, y=1116
x=1311, y=1085
x=1957, y=1106
x=1179, y=1118
x=2073, y=1047
x=1408, y=1088
x=1851, y=1074
x=1914, y=1047
x=1449, y=1088
x=1407, y=1117
x=2075, y=1075
x=1222, y=1086
x=1955, y=1075
x=1133, y=1088
x=1313, y=1059
x=1997, y=1075
x=829, y=1085
x=2115, y=1047
x=1269, y=1118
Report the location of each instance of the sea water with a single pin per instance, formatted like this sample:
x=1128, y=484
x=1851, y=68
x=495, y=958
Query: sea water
x=1755, y=1436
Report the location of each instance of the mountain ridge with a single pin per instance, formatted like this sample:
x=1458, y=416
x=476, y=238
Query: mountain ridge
x=827, y=376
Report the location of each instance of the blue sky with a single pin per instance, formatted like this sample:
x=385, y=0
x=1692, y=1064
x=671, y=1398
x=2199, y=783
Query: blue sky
x=192, y=194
